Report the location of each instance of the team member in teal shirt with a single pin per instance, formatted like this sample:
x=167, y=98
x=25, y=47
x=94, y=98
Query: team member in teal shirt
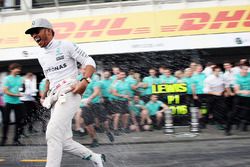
x=188, y=80
x=121, y=90
x=11, y=87
x=139, y=114
x=167, y=77
x=242, y=100
x=156, y=109
x=132, y=82
x=147, y=84
x=94, y=109
x=199, y=98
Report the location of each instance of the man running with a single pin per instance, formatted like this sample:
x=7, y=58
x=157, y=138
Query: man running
x=59, y=63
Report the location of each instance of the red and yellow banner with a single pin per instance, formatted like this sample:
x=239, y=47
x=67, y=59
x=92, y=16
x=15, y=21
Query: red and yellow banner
x=164, y=23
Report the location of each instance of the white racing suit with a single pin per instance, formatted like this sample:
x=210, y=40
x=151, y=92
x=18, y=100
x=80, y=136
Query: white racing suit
x=64, y=105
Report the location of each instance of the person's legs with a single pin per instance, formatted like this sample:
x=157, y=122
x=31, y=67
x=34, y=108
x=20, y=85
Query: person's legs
x=159, y=117
x=87, y=114
x=19, y=117
x=6, y=120
x=59, y=128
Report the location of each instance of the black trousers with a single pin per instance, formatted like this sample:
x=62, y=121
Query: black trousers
x=216, y=107
x=240, y=111
x=30, y=113
x=19, y=121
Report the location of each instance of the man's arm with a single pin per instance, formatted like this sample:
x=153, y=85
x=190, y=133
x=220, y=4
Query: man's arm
x=80, y=87
x=46, y=89
x=88, y=62
x=6, y=91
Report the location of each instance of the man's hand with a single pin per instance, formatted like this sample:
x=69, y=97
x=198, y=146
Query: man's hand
x=80, y=87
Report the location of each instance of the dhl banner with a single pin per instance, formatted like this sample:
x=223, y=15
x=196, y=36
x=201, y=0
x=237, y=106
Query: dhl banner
x=166, y=23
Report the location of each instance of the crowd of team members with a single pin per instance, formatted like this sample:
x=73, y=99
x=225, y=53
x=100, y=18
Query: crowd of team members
x=117, y=102
x=121, y=103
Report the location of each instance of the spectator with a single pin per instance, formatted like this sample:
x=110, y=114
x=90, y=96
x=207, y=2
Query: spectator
x=29, y=102
x=208, y=70
x=214, y=86
x=11, y=86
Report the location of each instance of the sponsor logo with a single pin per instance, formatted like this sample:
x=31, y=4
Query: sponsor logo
x=59, y=54
x=56, y=68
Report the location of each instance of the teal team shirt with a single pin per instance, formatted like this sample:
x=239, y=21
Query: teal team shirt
x=90, y=88
x=149, y=81
x=136, y=107
x=122, y=88
x=153, y=107
x=131, y=82
x=42, y=85
x=188, y=81
x=105, y=87
x=243, y=82
x=13, y=83
x=198, y=82
x=168, y=80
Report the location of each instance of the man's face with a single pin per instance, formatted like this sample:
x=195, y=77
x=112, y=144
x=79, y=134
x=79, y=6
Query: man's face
x=227, y=66
x=188, y=72
x=199, y=68
x=152, y=72
x=16, y=71
x=116, y=70
x=244, y=70
x=42, y=36
x=121, y=75
x=136, y=98
x=217, y=71
x=106, y=74
x=167, y=72
x=154, y=98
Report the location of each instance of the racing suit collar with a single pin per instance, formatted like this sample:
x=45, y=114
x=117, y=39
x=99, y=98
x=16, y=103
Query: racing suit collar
x=50, y=45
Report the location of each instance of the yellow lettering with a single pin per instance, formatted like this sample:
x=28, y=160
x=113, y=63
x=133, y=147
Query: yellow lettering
x=173, y=98
x=173, y=109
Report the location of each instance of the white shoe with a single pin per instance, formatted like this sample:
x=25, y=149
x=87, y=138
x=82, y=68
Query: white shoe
x=98, y=160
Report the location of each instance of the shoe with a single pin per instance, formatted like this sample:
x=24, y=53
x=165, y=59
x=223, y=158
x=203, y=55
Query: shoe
x=33, y=131
x=227, y=133
x=202, y=126
x=23, y=135
x=79, y=133
x=110, y=136
x=94, y=143
x=98, y=160
x=220, y=127
x=17, y=143
x=3, y=142
x=126, y=130
x=99, y=130
x=116, y=133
